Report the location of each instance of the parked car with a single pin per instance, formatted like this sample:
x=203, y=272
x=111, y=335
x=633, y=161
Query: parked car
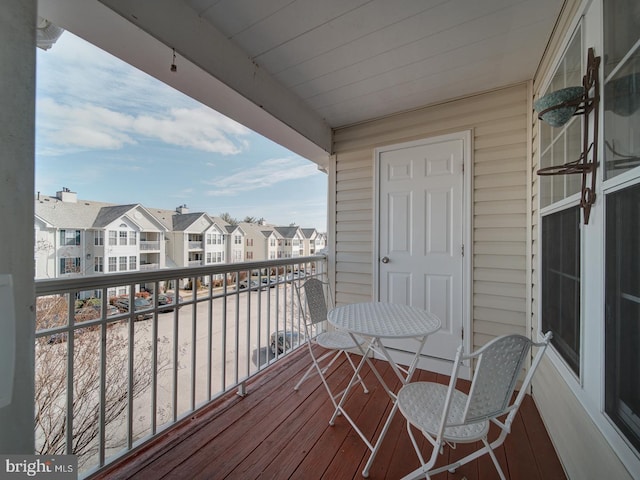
x=122, y=303
x=83, y=314
x=284, y=340
x=91, y=312
x=165, y=301
x=253, y=284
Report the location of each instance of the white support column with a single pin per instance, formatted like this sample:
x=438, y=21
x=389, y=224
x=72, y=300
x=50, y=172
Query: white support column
x=17, y=120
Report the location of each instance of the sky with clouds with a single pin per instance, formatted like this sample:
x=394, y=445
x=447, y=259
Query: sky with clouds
x=114, y=134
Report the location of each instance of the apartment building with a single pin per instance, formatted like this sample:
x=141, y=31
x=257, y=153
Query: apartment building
x=291, y=244
x=89, y=238
x=261, y=241
x=79, y=237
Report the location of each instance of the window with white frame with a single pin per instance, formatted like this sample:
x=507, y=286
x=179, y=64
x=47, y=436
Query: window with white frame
x=133, y=238
x=98, y=238
x=113, y=264
x=113, y=237
x=123, y=237
x=133, y=262
x=69, y=237
x=70, y=265
x=123, y=264
x=98, y=264
x=621, y=188
x=560, y=219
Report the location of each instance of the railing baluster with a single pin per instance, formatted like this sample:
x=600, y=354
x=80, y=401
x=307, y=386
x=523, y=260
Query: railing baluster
x=210, y=339
x=223, y=334
x=154, y=359
x=175, y=361
x=70, y=358
x=103, y=380
x=132, y=316
x=194, y=339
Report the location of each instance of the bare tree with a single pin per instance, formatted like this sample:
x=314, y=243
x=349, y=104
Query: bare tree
x=51, y=381
x=226, y=216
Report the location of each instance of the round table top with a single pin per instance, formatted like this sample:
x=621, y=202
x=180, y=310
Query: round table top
x=385, y=320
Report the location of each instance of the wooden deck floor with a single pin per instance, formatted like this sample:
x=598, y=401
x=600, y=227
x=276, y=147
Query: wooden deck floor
x=275, y=432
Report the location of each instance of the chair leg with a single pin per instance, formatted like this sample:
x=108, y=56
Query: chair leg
x=424, y=470
x=493, y=457
x=304, y=377
x=364, y=387
x=316, y=362
x=488, y=448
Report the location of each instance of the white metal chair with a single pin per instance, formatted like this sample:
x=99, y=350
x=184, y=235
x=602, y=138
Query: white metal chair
x=314, y=307
x=446, y=415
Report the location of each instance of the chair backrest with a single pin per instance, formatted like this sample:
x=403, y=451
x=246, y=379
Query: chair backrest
x=314, y=293
x=498, y=367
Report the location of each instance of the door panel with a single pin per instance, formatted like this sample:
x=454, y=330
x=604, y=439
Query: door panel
x=420, y=232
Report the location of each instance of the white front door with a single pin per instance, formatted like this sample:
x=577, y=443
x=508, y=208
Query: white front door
x=421, y=233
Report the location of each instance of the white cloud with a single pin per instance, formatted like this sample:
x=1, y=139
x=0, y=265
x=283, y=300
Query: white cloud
x=67, y=128
x=199, y=128
x=262, y=175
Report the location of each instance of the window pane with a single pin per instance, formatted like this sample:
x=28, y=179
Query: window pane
x=622, y=330
x=561, y=283
x=622, y=119
x=621, y=20
x=562, y=144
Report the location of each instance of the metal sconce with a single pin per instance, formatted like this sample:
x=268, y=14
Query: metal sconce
x=556, y=108
x=174, y=67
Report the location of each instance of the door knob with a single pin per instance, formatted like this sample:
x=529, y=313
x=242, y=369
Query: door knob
x=384, y=259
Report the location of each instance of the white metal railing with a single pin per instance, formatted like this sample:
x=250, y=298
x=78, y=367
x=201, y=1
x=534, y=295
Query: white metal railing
x=149, y=266
x=195, y=245
x=109, y=379
x=149, y=245
x=194, y=263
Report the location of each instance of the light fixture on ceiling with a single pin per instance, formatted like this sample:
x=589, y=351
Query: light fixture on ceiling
x=47, y=33
x=174, y=67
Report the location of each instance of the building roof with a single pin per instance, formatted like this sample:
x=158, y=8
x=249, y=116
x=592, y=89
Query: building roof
x=309, y=232
x=80, y=215
x=109, y=214
x=182, y=221
x=287, y=232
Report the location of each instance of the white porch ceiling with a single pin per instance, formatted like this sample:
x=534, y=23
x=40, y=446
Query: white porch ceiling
x=316, y=65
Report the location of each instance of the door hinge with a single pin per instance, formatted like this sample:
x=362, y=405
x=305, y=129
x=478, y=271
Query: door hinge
x=462, y=249
x=462, y=333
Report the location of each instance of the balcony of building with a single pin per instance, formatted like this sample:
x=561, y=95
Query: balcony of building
x=275, y=432
x=154, y=392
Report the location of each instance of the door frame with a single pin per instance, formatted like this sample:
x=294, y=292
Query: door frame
x=441, y=365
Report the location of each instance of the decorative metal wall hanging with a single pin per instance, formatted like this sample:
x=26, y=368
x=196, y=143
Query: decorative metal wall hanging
x=556, y=108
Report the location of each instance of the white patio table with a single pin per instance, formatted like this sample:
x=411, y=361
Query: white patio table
x=377, y=321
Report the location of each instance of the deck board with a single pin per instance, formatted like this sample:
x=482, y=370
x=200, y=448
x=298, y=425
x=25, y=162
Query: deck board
x=275, y=432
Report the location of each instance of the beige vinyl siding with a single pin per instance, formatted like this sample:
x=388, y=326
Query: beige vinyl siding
x=498, y=121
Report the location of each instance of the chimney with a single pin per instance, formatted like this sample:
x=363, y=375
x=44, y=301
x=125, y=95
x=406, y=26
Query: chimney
x=67, y=195
x=182, y=209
